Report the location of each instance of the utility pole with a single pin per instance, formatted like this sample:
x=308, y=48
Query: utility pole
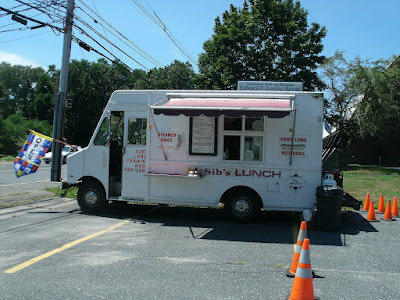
x=59, y=105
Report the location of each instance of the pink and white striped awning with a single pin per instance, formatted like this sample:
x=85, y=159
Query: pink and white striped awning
x=230, y=107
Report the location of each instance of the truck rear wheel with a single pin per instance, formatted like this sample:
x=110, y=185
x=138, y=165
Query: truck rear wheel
x=242, y=206
x=92, y=197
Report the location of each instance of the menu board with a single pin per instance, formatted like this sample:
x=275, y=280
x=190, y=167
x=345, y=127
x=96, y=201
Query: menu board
x=203, y=139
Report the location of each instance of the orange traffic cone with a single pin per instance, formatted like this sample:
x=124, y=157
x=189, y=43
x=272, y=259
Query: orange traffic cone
x=366, y=203
x=395, y=209
x=388, y=213
x=303, y=281
x=300, y=238
x=381, y=205
x=371, y=213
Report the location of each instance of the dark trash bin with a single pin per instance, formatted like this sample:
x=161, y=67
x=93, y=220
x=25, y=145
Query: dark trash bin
x=329, y=208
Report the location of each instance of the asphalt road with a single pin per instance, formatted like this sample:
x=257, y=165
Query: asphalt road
x=39, y=181
x=161, y=252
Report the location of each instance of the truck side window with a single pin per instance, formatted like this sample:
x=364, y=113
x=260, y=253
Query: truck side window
x=101, y=136
x=254, y=124
x=243, y=139
x=117, y=127
x=232, y=123
x=137, y=131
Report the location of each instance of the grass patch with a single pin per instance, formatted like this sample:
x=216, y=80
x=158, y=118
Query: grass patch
x=68, y=193
x=360, y=180
x=370, y=170
x=19, y=194
x=8, y=205
x=7, y=158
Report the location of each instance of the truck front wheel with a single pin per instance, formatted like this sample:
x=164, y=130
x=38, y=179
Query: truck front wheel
x=92, y=197
x=242, y=206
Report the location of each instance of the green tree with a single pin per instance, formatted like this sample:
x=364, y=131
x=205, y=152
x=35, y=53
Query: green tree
x=19, y=82
x=44, y=97
x=341, y=93
x=362, y=98
x=341, y=97
x=378, y=83
x=15, y=131
x=90, y=85
x=178, y=75
x=265, y=40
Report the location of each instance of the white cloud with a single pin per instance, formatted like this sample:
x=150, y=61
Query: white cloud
x=15, y=59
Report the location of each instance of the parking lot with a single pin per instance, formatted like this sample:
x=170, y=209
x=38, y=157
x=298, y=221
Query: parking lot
x=51, y=250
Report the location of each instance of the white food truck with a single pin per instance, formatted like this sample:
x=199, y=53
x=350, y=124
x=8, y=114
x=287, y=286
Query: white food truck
x=248, y=150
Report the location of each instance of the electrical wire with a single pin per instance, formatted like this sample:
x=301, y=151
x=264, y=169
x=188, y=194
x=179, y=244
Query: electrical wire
x=30, y=19
x=156, y=20
x=105, y=33
x=89, y=36
x=25, y=37
x=105, y=38
x=116, y=61
x=140, y=51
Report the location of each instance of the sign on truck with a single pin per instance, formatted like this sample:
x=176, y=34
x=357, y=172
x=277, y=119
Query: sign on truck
x=249, y=150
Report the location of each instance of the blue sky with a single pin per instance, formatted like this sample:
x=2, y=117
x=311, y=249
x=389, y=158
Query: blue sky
x=366, y=28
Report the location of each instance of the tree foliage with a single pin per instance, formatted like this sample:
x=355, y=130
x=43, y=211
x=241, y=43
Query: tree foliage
x=27, y=96
x=90, y=85
x=378, y=114
x=362, y=96
x=18, y=84
x=20, y=110
x=177, y=75
x=15, y=129
x=341, y=94
x=264, y=40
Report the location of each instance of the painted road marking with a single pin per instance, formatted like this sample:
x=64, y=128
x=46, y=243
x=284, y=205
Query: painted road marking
x=62, y=248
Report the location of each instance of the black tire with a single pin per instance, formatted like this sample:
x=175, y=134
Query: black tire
x=92, y=197
x=242, y=206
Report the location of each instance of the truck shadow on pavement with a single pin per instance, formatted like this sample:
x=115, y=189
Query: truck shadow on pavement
x=211, y=224
x=352, y=223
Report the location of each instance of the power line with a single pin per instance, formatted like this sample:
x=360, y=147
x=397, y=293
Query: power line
x=105, y=33
x=80, y=42
x=116, y=61
x=34, y=7
x=25, y=37
x=89, y=36
x=148, y=57
x=13, y=23
x=30, y=19
x=161, y=24
x=140, y=51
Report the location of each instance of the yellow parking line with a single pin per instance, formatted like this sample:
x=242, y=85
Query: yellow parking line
x=62, y=248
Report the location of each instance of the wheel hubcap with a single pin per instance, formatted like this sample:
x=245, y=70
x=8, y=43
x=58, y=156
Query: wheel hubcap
x=91, y=198
x=241, y=207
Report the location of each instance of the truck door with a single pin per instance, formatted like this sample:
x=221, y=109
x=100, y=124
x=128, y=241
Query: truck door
x=116, y=136
x=134, y=183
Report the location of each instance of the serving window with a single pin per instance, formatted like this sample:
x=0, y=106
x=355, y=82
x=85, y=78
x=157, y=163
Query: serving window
x=243, y=139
